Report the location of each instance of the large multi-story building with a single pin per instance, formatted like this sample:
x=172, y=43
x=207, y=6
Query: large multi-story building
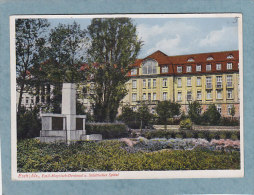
x=210, y=78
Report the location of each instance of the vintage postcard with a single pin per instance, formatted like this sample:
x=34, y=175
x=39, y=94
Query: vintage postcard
x=133, y=96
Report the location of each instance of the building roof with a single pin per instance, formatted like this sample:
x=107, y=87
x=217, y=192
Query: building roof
x=192, y=60
x=203, y=57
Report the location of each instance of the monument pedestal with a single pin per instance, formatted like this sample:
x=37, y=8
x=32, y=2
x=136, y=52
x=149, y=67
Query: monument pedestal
x=63, y=127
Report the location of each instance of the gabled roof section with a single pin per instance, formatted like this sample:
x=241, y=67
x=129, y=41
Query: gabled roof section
x=160, y=57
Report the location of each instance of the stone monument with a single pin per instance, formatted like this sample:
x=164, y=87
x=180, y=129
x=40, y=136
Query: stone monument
x=67, y=126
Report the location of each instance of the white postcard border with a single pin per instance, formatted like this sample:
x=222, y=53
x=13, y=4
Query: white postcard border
x=121, y=174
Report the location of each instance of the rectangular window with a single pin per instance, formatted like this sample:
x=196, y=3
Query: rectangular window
x=134, y=84
x=32, y=100
x=229, y=66
x=154, y=83
x=208, y=67
x=144, y=83
x=149, y=97
x=188, y=81
x=229, y=94
x=144, y=96
x=134, y=97
x=209, y=82
x=149, y=83
x=179, y=96
x=179, y=82
x=199, y=95
x=209, y=94
x=188, y=95
x=219, y=94
x=219, y=81
x=179, y=69
x=164, y=69
x=218, y=66
x=198, y=81
x=188, y=69
x=164, y=82
x=219, y=108
x=27, y=100
x=229, y=81
x=165, y=94
x=154, y=96
x=198, y=68
x=134, y=71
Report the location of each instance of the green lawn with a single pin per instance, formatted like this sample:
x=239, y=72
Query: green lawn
x=115, y=156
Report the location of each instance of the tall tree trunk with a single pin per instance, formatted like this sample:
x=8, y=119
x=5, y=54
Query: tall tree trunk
x=20, y=98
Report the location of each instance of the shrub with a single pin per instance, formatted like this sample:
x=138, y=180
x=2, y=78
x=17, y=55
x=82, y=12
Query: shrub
x=189, y=134
x=234, y=136
x=211, y=116
x=28, y=123
x=223, y=135
x=108, y=131
x=186, y=124
x=208, y=135
x=226, y=121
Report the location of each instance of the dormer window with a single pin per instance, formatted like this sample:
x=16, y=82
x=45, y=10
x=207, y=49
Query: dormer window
x=164, y=69
x=230, y=56
x=209, y=58
x=149, y=67
x=190, y=60
x=134, y=71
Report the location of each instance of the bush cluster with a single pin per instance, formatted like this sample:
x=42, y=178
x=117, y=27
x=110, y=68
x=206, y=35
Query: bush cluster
x=108, y=131
x=28, y=123
x=186, y=124
x=208, y=135
x=33, y=156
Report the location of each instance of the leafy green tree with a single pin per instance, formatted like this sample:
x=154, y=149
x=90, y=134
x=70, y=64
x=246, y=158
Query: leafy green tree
x=114, y=46
x=232, y=112
x=65, y=51
x=211, y=115
x=30, y=39
x=28, y=124
x=194, y=111
x=128, y=115
x=167, y=109
x=144, y=115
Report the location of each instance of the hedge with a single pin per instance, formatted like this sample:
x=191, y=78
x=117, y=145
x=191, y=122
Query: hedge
x=108, y=130
x=208, y=135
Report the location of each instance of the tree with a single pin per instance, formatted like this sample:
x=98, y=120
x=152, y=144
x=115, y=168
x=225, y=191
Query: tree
x=194, y=111
x=232, y=112
x=65, y=51
x=114, y=46
x=167, y=109
x=128, y=115
x=144, y=115
x=30, y=38
x=29, y=124
x=212, y=115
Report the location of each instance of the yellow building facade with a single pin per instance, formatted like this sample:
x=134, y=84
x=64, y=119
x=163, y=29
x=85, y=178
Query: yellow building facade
x=210, y=78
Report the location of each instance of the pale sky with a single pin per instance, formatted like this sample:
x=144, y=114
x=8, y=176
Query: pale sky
x=178, y=36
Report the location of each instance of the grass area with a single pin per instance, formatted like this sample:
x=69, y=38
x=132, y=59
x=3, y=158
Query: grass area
x=114, y=156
